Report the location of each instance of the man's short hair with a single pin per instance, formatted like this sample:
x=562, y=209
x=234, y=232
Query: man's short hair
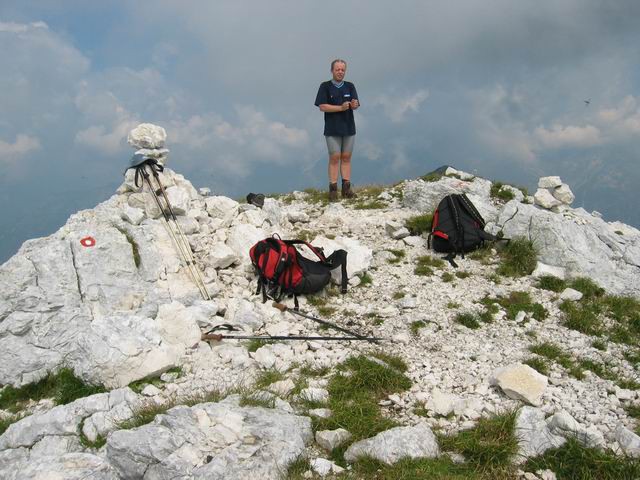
x=337, y=60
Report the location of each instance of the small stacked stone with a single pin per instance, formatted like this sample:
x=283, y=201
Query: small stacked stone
x=149, y=140
x=553, y=195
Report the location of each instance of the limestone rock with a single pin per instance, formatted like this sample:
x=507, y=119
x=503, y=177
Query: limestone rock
x=564, y=194
x=543, y=269
x=211, y=440
x=133, y=215
x=570, y=294
x=392, y=445
x=221, y=256
x=562, y=423
x=177, y=326
x=147, y=135
x=520, y=382
x=584, y=245
x=330, y=439
x=425, y=196
x=629, y=441
x=549, y=182
x=533, y=434
x=545, y=199
x=314, y=395
x=440, y=403
x=242, y=237
x=222, y=208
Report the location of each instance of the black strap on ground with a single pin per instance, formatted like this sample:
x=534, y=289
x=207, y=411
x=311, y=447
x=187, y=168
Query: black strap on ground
x=284, y=308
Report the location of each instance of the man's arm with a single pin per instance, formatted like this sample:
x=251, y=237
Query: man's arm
x=325, y=107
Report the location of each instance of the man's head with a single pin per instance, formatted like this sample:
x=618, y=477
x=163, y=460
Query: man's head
x=338, y=69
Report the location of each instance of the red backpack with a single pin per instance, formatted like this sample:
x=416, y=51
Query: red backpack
x=282, y=270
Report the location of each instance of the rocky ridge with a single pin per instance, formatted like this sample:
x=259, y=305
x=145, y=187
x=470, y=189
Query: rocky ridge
x=125, y=309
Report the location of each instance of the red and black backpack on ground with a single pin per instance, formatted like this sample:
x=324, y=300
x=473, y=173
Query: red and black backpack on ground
x=282, y=270
x=457, y=227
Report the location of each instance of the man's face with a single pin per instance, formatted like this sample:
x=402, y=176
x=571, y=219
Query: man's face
x=339, y=69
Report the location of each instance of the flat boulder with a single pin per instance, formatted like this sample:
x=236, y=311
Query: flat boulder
x=520, y=382
x=397, y=443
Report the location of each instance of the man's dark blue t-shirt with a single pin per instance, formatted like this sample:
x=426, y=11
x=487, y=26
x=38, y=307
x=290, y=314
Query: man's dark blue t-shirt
x=337, y=124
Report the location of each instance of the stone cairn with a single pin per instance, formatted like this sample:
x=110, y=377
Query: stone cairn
x=553, y=195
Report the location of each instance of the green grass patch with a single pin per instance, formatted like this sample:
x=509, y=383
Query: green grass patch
x=315, y=195
x=518, y=258
x=366, y=279
x=599, y=345
x=298, y=468
x=145, y=414
x=393, y=361
x=416, y=326
x=326, y=311
x=419, y=223
x=268, y=377
x=257, y=400
x=516, y=302
x=355, y=390
x=489, y=447
x=463, y=274
x=588, y=287
x=398, y=254
x=469, y=320
x=582, y=317
x=309, y=371
x=371, y=205
x=426, y=264
x=432, y=177
x=573, y=461
x=482, y=254
x=371, y=191
x=538, y=364
x=498, y=191
x=63, y=387
x=551, y=283
x=447, y=277
x=398, y=295
x=255, y=344
x=442, y=468
x=452, y=305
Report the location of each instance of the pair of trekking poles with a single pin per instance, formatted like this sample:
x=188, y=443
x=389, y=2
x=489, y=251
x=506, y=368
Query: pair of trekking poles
x=171, y=221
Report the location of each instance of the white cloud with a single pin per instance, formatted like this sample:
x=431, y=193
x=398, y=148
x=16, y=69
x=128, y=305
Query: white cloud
x=397, y=106
x=370, y=150
x=560, y=136
x=622, y=122
x=12, y=27
x=23, y=145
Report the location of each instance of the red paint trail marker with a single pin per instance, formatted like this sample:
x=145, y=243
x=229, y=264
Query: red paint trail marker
x=87, y=241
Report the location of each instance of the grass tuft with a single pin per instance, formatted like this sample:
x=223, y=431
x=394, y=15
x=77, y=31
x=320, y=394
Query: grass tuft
x=426, y=264
x=538, y=364
x=398, y=254
x=366, y=279
x=63, y=387
x=419, y=223
x=575, y=461
x=469, y=320
x=554, y=284
x=519, y=258
x=498, y=191
x=516, y=302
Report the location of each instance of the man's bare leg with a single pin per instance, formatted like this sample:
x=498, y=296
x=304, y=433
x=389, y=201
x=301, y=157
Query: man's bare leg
x=345, y=171
x=334, y=165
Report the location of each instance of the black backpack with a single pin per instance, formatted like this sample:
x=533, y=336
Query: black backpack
x=457, y=227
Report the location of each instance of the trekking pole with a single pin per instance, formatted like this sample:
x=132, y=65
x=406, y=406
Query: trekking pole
x=187, y=248
x=219, y=336
x=172, y=234
x=284, y=308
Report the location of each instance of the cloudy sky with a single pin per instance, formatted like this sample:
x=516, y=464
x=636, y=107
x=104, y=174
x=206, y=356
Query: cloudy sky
x=495, y=87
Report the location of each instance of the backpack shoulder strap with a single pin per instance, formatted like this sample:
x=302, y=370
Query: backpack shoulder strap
x=471, y=209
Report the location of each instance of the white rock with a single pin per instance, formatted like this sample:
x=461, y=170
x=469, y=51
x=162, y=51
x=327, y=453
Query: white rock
x=242, y=238
x=570, y=294
x=265, y=357
x=564, y=194
x=533, y=434
x=392, y=445
x=222, y=208
x=441, y=403
x=562, y=423
x=520, y=316
x=545, y=199
x=549, y=182
x=151, y=391
x=542, y=269
x=629, y=441
x=221, y=256
x=282, y=388
x=177, y=326
x=297, y=216
x=147, y=135
x=330, y=439
x=133, y=215
x=520, y=382
x=179, y=199
x=413, y=241
x=314, y=395
x=400, y=233
x=320, y=412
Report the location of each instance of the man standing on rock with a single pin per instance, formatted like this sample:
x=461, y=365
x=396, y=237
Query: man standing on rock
x=338, y=99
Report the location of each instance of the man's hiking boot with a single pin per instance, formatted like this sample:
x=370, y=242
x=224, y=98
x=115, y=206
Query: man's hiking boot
x=333, y=192
x=346, y=190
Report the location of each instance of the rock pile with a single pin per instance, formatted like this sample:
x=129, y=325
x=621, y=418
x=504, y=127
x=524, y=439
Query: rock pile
x=553, y=195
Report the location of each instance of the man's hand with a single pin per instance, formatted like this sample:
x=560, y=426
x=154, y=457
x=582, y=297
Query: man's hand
x=354, y=104
x=345, y=106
